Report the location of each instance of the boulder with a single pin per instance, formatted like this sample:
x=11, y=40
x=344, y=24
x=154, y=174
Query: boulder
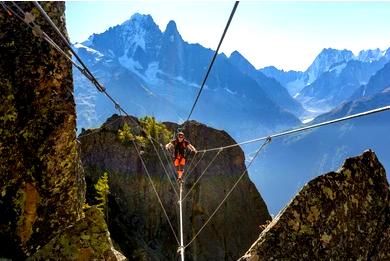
x=342, y=215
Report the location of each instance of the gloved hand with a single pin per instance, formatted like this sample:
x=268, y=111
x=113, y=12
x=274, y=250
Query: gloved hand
x=168, y=147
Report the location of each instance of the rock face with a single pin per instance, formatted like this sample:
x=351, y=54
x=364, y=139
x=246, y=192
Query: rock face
x=88, y=239
x=136, y=220
x=42, y=187
x=41, y=182
x=343, y=215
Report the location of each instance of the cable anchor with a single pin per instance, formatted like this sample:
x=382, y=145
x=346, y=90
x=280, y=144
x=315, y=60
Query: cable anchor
x=179, y=249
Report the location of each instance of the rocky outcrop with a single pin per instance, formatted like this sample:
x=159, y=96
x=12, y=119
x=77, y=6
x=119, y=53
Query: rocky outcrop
x=136, y=220
x=343, y=215
x=41, y=182
x=42, y=187
x=87, y=239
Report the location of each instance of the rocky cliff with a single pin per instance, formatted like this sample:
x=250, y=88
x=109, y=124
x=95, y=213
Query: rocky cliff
x=42, y=185
x=136, y=220
x=343, y=215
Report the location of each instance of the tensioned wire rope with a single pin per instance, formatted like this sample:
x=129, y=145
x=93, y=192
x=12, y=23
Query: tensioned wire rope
x=189, y=164
x=213, y=59
x=28, y=19
x=284, y=133
x=201, y=175
x=193, y=166
x=192, y=109
x=166, y=156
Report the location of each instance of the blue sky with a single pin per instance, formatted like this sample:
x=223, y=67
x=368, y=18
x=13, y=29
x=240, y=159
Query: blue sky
x=287, y=35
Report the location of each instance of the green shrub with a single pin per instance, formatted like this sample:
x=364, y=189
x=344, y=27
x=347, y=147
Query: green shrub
x=155, y=129
x=150, y=128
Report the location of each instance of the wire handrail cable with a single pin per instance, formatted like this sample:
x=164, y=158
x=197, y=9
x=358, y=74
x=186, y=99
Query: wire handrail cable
x=189, y=171
x=38, y=31
x=48, y=19
x=267, y=141
x=170, y=163
x=213, y=59
x=28, y=21
x=192, y=166
x=189, y=163
x=201, y=175
x=284, y=133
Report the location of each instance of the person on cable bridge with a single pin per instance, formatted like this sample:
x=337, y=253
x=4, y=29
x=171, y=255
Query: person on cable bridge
x=179, y=148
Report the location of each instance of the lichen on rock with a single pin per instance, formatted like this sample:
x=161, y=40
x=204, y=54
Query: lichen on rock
x=87, y=239
x=343, y=215
x=42, y=185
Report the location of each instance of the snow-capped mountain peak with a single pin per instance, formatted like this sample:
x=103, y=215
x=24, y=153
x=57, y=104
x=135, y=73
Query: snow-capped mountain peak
x=325, y=60
x=135, y=30
x=138, y=20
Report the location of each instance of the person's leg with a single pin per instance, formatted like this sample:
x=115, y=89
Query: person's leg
x=177, y=166
x=182, y=163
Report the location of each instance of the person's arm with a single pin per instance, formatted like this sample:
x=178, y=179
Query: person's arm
x=169, y=146
x=191, y=148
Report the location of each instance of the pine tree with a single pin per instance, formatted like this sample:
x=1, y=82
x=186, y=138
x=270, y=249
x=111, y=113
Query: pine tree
x=102, y=190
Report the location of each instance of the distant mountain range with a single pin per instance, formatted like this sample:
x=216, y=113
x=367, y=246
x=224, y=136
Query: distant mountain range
x=377, y=83
x=333, y=77
x=136, y=59
x=157, y=73
x=154, y=72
